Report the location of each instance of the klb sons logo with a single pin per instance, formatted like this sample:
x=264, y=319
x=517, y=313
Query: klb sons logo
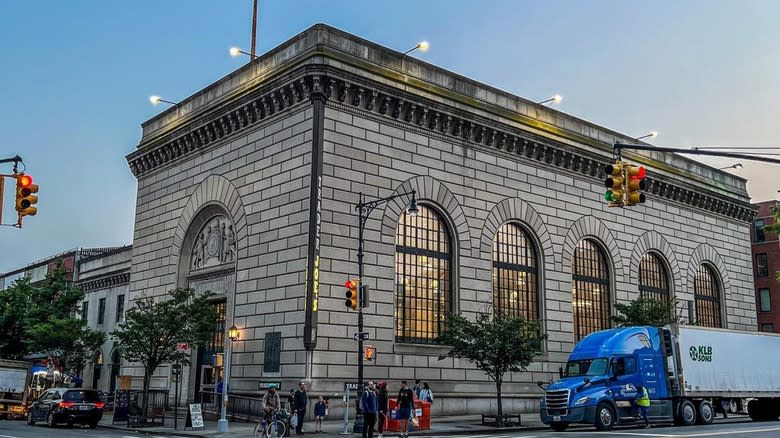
x=702, y=353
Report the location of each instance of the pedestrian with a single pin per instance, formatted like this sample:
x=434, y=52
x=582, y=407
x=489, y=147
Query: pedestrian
x=642, y=402
x=417, y=388
x=299, y=407
x=368, y=404
x=425, y=393
x=381, y=401
x=319, y=414
x=405, y=403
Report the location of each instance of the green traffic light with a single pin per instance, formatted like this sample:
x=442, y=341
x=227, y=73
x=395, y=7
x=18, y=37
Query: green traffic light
x=609, y=196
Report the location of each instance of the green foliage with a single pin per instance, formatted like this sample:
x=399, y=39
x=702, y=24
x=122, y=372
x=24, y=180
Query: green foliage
x=40, y=319
x=153, y=327
x=645, y=311
x=496, y=346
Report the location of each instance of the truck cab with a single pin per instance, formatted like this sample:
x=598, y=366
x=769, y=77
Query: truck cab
x=600, y=380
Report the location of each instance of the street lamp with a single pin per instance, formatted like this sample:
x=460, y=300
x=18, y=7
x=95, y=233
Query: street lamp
x=556, y=99
x=222, y=424
x=733, y=166
x=235, y=51
x=422, y=46
x=157, y=99
x=652, y=134
x=364, y=209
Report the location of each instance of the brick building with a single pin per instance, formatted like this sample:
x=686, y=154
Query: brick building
x=248, y=189
x=766, y=262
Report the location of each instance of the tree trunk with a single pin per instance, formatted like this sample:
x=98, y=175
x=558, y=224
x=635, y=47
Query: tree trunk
x=498, y=400
x=145, y=395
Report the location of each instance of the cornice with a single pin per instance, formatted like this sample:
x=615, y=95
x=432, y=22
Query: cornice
x=422, y=114
x=105, y=282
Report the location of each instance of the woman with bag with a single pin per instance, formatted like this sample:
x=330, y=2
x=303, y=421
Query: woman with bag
x=381, y=401
x=426, y=394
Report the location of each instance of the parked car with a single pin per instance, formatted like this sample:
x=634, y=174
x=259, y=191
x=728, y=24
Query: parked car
x=67, y=405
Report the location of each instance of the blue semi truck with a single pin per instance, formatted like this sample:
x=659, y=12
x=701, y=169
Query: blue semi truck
x=688, y=372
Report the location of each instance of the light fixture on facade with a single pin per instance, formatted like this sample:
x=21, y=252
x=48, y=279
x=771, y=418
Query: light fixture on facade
x=235, y=51
x=233, y=333
x=157, y=99
x=652, y=134
x=422, y=46
x=733, y=166
x=554, y=99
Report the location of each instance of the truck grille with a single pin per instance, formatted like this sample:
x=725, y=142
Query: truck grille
x=557, y=401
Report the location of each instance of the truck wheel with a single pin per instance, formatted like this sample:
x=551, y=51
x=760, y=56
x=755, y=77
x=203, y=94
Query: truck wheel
x=705, y=412
x=559, y=427
x=605, y=417
x=686, y=414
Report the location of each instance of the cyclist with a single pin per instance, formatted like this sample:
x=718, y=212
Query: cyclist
x=271, y=403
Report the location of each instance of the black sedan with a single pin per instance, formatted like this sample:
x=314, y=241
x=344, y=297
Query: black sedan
x=67, y=405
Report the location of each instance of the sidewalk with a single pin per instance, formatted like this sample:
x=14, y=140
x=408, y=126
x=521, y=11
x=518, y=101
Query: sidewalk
x=456, y=425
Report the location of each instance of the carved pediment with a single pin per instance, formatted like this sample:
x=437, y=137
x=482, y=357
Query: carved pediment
x=215, y=244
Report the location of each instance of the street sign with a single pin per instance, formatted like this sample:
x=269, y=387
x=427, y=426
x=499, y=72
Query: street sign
x=361, y=335
x=182, y=347
x=350, y=386
x=264, y=385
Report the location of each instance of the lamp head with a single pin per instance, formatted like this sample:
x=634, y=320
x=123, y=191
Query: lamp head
x=235, y=51
x=412, y=210
x=154, y=99
x=233, y=333
x=653, y=134
x=423, y=46
x=738, y=166
x=557, y=99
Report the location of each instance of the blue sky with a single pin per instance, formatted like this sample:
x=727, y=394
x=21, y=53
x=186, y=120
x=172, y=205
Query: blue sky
x=76, y=77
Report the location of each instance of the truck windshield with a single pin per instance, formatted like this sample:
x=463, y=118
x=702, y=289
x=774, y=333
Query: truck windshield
x=587, y=367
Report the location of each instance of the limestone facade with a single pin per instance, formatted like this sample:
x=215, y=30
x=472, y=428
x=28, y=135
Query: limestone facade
x=278, y=152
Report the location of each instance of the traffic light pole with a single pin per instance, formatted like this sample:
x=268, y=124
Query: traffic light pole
x=364, y=209
x=617, y=147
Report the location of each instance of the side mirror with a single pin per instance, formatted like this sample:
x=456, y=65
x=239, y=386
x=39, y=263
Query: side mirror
x=560, y=372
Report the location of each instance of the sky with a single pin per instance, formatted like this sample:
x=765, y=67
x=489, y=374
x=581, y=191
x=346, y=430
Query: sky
x=75, y=78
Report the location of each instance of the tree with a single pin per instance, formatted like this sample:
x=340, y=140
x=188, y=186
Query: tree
x=645, y=311
x=40, y=318
x=774, y=228
x=496, y=346
x=152, y=328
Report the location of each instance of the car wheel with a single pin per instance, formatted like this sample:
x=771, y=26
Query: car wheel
x=687, y=413
x=30, y=419
x=705, y=413
x=605, y=417
x=559, y=427
x=50, y=420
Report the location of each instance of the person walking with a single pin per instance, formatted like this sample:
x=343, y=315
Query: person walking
x=299, y=406
x=425, y=393
x=405, y=403
x=381, y=401
x=368, y=404
x=319, y=414
x=643, y=402
x=417, y=388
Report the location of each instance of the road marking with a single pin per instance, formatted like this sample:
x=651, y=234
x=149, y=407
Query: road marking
x=639, y=434
x=740, y=431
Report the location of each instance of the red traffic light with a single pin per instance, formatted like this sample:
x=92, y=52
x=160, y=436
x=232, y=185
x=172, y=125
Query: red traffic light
x=24, y=181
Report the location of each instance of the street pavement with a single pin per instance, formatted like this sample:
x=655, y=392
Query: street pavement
x=447, y=427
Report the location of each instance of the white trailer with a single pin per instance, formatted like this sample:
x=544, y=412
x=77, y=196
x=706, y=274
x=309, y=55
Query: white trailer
x=727, y=365
x=14, y=384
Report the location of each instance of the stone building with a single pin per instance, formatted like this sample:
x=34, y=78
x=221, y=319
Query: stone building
x=248, y=189
x=766, y=262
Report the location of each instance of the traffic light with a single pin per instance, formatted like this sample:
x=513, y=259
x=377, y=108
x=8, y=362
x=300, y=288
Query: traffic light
x=635, y=181
x=351, y=294
x=614, y=184
x=369, y=352
x=24, y=195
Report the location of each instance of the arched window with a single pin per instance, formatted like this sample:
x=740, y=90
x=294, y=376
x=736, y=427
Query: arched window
x=653, y=278
x=423, y=257
x=590, y=289
x=515, y=283
x=706, y=292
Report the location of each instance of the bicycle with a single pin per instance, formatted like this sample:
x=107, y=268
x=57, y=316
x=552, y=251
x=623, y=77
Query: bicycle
x=265, y=429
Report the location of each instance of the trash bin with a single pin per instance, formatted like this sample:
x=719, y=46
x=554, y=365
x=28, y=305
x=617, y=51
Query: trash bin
x=393, y=425
x=424, y=409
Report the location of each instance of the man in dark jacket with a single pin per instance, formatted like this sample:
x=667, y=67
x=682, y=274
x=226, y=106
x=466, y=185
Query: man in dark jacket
x=299, y=406
x=368, y=403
